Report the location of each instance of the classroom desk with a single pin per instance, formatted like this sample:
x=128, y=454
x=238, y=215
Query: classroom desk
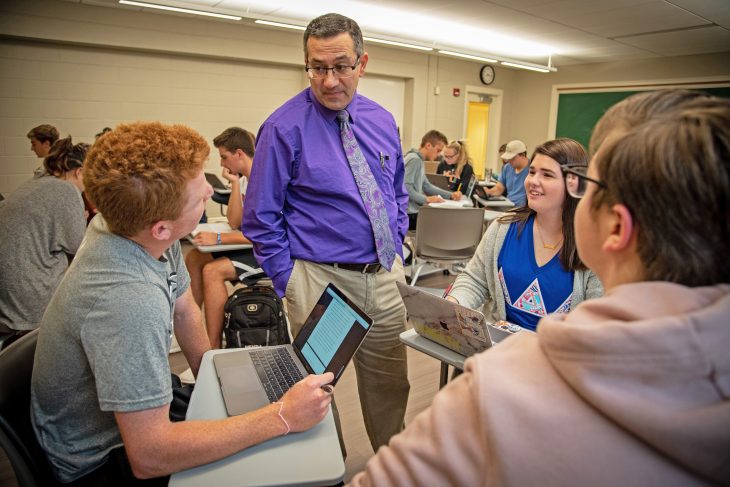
x=445, y=355
x=312, y=457
x=494, y=203
x=215, y=227
x=464, y=202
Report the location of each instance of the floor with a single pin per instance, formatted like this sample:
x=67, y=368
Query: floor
x=423, y=373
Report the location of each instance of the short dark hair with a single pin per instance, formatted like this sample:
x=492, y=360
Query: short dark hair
x=564, y=151
x=234, y=138
x=44, y=133
x=330, y=25
x=433, y=137
x=679, y=149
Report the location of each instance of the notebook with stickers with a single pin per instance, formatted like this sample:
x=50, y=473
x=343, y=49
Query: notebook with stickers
x=456, y=327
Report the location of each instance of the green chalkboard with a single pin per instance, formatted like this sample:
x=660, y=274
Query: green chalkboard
x=579, y=112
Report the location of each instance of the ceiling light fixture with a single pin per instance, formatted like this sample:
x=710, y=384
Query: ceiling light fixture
x=468, y=56
x=525, y=66
x=279, y=24
x=396, y=43
x=182, y=10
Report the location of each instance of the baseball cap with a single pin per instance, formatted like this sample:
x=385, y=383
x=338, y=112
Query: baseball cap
x=514, y=147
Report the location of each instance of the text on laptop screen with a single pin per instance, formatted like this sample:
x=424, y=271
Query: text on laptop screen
x=335, y=323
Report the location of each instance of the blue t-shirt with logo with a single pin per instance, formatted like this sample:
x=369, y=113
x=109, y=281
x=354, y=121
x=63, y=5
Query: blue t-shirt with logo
x=531, y=292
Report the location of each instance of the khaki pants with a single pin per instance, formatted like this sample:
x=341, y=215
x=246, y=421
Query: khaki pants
x=380, y=363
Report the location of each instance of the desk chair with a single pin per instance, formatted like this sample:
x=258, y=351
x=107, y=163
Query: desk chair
x=446, y=236
x=439, y=180
x=17, y=438
x=430, y=167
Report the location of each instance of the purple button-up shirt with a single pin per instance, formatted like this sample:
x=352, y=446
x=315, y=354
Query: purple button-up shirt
x=302, y=201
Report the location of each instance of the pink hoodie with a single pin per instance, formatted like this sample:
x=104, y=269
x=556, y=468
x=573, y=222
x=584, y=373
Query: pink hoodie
x=629, y=389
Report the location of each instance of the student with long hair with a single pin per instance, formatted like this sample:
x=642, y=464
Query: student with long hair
x=457, y=164
x=41, y=226
x=527, y=265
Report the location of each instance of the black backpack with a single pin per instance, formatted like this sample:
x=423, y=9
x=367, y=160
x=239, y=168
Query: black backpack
x=254, y=316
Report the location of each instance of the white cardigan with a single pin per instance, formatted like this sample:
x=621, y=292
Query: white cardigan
x=479, y=283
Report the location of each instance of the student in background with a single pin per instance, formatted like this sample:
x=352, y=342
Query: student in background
x=461, y=169
x=420, y=190
x=526, y=265
x=42, y=139
x=637, y=379
x=101, y=389
x=512, y=180
x=209, y=272
x=42, y=224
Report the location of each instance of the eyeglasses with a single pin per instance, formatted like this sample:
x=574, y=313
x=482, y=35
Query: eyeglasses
x=450, y=156
x=340, y=71
x=576, y=181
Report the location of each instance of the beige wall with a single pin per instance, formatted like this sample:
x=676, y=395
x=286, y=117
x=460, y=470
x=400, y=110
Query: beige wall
x=531, y=108
x=83, y=67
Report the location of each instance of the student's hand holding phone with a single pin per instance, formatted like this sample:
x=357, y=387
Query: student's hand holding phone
x=434, y=199
x=307, y=402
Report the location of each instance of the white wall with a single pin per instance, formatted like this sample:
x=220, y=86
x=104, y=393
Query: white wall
x=83, y=67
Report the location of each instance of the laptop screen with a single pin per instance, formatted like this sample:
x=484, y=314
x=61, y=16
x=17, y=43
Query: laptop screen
x=332, y=333
x=470, y=187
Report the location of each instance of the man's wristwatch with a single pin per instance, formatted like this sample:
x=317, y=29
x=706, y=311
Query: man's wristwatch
x=218, y=240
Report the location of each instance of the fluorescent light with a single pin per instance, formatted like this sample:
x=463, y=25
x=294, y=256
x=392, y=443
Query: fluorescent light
x=178, y=9
x=468, y=56
x=524, y=66
x=395, y=43
x=279, y=24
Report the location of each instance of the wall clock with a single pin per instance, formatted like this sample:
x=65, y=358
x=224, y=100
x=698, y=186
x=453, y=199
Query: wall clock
x=486, y=74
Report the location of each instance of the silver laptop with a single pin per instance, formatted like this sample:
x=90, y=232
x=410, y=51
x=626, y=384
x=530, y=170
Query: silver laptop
x=218, y=185
x=470, y=187
x=254, y=377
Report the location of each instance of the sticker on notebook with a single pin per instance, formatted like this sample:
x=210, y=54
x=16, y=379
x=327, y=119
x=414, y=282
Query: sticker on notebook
x=470, y=322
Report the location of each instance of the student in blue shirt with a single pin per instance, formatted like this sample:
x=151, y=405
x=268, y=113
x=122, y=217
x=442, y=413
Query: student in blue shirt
x=527, y=266
x=512, y=180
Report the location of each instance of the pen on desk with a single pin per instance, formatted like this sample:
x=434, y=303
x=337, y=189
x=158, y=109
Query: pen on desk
x=448, y=290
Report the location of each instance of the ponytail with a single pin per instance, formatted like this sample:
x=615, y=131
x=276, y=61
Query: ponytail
x=64, y=156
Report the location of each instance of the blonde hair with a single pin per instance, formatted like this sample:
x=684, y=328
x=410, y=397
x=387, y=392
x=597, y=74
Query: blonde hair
x=137, y=174
x=462, y=155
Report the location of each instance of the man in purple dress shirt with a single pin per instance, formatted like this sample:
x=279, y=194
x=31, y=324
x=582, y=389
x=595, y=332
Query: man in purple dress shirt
x=307, y=220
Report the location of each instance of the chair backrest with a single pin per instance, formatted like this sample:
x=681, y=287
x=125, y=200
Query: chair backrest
x=448, y=233
x=430, y=167
x=439, y=180
x=17, y=438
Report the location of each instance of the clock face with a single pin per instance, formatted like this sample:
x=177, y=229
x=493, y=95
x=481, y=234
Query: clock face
x=487, y=74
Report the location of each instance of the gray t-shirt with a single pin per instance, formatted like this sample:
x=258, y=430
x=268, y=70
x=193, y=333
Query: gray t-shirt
x=41, y=224
x=417, y=183
x=103, y=348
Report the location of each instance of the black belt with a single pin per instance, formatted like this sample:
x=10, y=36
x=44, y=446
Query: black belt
x=361, y=268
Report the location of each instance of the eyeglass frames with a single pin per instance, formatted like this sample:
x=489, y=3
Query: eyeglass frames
x=340, y=71
x=576, y=179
